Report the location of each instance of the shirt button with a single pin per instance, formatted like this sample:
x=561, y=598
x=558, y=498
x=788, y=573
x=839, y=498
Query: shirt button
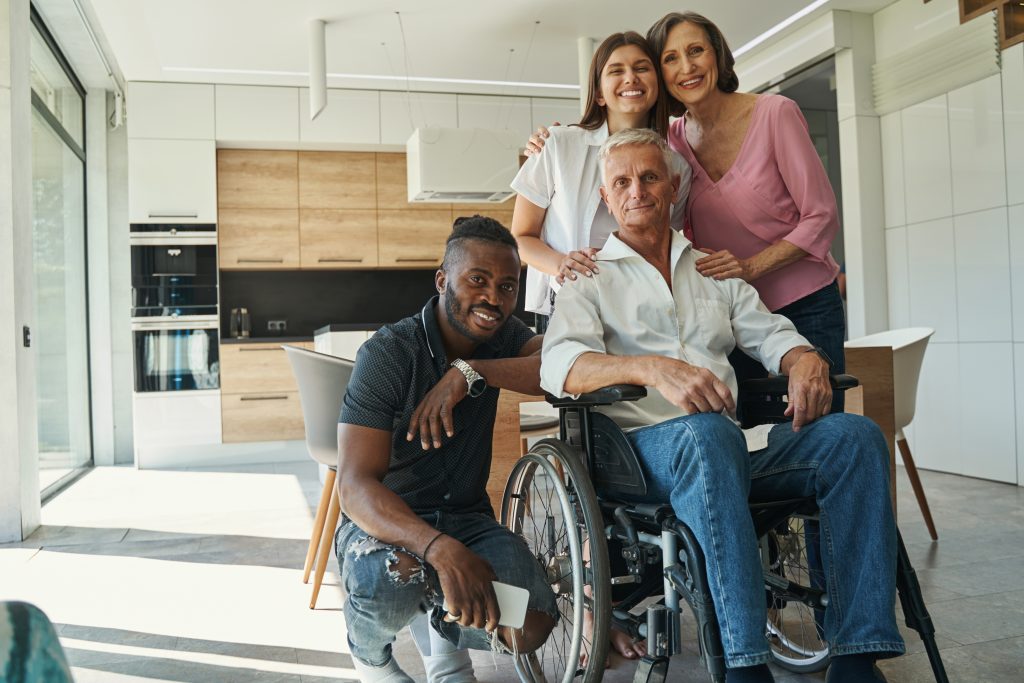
x=448, y=496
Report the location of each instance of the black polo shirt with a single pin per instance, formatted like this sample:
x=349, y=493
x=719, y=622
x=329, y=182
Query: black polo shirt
x=394, y=370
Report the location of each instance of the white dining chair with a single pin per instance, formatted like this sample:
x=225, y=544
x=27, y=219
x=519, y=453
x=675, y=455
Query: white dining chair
x=908, y=346
x=322, y=380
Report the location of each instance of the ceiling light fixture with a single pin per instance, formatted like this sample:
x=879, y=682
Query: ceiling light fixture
x=317, y=67
x=367, y=77
x=788, y=21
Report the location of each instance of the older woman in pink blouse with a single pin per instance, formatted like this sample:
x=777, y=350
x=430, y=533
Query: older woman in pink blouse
x=760, y=203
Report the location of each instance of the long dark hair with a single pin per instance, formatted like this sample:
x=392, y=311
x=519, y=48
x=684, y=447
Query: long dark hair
x=594, y=114
x=657, y=35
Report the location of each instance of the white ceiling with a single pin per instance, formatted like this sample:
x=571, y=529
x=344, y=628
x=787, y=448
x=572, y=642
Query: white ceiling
x=235, y=41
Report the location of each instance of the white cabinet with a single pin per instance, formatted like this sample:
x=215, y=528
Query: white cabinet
x=351, y=116
x=182, y=111
x=344, y=344
x=547, y=110
x=168, y=424
x=400, y=113
x=257, y=114
x=496, y=113
x=172, y=181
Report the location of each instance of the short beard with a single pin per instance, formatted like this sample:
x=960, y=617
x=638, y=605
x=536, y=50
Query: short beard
x=454, y=312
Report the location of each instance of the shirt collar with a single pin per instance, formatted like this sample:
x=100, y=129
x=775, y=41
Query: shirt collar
x=597, y=136
x=435, y=342
x=615, y=248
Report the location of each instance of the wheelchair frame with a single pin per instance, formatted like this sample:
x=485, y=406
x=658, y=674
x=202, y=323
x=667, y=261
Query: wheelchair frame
x=649, y=534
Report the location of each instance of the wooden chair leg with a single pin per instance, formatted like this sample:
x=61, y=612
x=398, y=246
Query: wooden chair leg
x=915, y=483
x=330, y=525
x=318, y=523
x=524, y=446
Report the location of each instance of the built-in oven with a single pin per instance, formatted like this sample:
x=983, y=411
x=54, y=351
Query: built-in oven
x=174, y=272
x=176, y=355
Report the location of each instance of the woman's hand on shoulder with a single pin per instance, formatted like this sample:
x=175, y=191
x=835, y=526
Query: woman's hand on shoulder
x=581, y=261
x=536, y=142
x=722, y=265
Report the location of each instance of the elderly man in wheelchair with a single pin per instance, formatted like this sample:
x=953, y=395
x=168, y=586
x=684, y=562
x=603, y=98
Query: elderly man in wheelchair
x=678, y=479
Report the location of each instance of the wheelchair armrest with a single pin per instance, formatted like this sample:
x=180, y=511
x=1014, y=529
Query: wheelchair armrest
x=602, y=397
x=778, y=385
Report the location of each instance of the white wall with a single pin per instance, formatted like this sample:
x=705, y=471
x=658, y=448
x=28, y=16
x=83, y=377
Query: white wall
x=954, y=231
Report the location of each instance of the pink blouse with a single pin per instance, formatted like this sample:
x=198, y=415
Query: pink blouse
x=776, y=189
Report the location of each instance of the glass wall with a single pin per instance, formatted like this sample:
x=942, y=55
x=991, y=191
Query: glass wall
x=60, y=334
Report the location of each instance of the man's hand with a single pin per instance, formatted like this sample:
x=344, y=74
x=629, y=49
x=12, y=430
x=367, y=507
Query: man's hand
x=466, y=583
x=722, y=265
x=810, y=393
x=691, y=388
x=433, y=416
x=577, y=262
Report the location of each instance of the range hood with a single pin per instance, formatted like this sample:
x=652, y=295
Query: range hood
x=467, y=165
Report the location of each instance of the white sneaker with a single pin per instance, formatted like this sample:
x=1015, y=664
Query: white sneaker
x=387, y=673
x=442, y=661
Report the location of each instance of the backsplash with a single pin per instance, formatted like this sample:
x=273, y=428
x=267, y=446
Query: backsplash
x=307, y=300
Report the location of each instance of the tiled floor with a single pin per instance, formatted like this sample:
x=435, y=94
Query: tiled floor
x=196, y=576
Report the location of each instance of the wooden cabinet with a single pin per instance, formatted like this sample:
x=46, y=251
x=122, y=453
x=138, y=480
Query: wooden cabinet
x=259, y=239
x=259, y=396
x=500, y=212
x=332, y=238
x=412, y=239
x=257, y=179
x=337, y=180
x=172, y=181
x=392, y=189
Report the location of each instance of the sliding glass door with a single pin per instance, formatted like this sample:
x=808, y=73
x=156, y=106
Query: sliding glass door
x=60, y=333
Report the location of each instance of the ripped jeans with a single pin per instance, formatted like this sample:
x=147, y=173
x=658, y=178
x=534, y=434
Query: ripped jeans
x=379, y=602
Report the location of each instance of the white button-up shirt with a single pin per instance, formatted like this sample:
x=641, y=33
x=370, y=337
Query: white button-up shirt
x=564, y=180
x=628, y=310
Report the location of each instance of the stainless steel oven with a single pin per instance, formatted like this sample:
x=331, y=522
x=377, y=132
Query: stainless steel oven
x=174, y=272
x=176, y=355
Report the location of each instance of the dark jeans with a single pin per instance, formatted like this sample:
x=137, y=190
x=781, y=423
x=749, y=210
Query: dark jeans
x=820, y=318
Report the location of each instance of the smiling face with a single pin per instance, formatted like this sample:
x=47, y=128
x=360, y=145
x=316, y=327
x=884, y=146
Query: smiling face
x=480, y=289
x=638, y=187
x=629, y=82
x=689, y=64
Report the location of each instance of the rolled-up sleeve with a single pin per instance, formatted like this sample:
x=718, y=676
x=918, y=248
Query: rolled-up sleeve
x=806, y=181
x=575, y=328
x=535, y=180
x=760, y=333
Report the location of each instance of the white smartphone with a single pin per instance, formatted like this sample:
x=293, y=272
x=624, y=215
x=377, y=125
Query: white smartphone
x=512, y=602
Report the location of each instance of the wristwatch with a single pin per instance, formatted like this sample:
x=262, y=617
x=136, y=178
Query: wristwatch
x=475, y=381
x=821, y=352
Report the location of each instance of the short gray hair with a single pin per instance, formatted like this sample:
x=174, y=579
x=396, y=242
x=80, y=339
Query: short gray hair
x=637, y=136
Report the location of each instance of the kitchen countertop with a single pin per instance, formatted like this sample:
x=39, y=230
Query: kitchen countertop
x=265, y=340
x=349, y=327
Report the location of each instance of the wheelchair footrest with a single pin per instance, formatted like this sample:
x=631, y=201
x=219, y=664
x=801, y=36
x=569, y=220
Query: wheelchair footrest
x=651, y=670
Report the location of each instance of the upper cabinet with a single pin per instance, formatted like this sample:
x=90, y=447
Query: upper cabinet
x=350, y=117
x=392, y=187
x=257, y=179
x=247, y=114
x=497, y=113
x=333, y=180
x=182, y=111
x=172, y=181
x=401, y=113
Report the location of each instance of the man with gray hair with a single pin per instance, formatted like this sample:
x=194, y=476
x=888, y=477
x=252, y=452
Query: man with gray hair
x=649, y=318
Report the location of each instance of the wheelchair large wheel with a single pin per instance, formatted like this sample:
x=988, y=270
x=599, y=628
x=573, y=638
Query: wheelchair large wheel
x=795, y=630
x=550, y=502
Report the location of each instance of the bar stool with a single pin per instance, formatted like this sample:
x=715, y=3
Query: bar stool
x=322, y=380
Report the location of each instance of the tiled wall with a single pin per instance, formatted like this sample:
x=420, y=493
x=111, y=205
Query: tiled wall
x=954, y=212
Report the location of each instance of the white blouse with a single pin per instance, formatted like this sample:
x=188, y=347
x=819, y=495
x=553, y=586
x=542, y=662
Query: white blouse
x=564, y=180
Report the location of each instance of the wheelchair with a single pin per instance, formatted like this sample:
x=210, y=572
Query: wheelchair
x=566, y=499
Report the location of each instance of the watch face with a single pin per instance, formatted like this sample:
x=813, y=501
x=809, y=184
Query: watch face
x=477, y=387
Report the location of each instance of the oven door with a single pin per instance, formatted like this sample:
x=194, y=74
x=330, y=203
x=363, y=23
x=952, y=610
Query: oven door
x=174, y=279
x=176, y=355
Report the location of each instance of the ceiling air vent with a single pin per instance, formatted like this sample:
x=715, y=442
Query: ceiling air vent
x=461, y=165
x=958, y=57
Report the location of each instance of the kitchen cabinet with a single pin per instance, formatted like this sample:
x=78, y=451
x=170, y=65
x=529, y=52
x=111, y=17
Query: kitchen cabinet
x=412, y=239
x=247, y=114
x=259, y=395
x=333, y=238
x=337, y=180
x=350, y=117
x=257, y=179
x=496, y=113
x=392, y=189
x=500, y=212
x=172, y=181
x=181, y=111
x=258, y=239
x=401, y=112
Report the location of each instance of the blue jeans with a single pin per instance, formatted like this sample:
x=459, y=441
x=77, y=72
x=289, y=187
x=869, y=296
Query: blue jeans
x=380, y=603
x=820, y=318
x=700, y=464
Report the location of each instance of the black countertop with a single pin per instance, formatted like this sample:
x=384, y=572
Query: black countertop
x=265, y=340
